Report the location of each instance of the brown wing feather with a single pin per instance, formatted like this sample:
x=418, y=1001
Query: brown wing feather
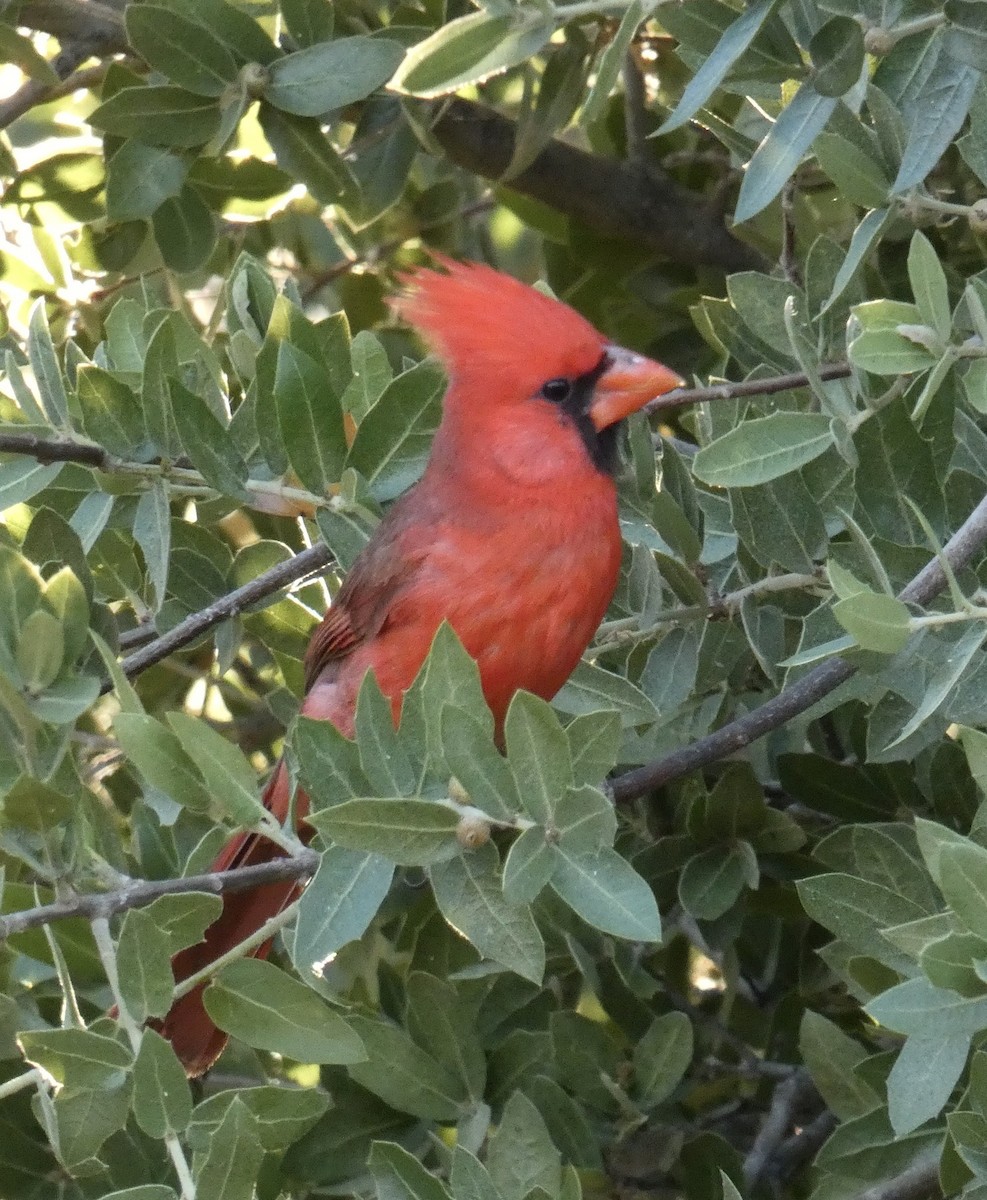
x=380, y=571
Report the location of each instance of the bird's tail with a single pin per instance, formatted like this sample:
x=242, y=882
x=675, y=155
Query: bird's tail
x=187, y=1025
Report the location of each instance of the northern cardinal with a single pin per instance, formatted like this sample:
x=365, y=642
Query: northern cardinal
x=511, y=535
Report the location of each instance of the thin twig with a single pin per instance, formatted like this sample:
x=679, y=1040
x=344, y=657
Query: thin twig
x=230, y=605
x=802, y=1146
x=141, y=892
x=787, y=1097
x=917, y=1182
x=802, y=695
x=749, y=387
x=635, y=108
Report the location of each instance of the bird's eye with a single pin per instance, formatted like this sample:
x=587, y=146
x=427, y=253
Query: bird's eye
x=557, y=390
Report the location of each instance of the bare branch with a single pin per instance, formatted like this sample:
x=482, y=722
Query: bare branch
x=917, y=1182
x=797, y=699
x=85, y=29
x=316, y=558
x=141, y=892
x=613, y=197
x=749, y=387
x=785, y=1102
x=51, y=450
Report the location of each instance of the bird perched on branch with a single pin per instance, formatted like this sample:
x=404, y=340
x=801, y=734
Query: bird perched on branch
x=511, y=536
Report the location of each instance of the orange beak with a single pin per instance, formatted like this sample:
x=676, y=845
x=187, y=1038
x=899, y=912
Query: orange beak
x=627, y=385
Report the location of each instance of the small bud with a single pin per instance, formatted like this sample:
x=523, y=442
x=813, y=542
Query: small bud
x=255, y=77
x=472, y=832
x=457, y=793
x=977, y=217
x=879, y=41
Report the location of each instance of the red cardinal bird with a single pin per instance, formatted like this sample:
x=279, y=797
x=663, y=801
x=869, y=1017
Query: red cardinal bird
x=511, y=536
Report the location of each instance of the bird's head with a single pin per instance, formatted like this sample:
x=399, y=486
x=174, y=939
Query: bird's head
x=510, y=348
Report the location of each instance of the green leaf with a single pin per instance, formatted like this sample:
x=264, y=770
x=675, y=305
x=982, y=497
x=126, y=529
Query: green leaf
x=857, y=911
x=162, y=1099
x=928, y=281
x=758, y=451
x=923, y=1077
x=538, y=753
x=140, y=178
x=398, y=1175
x=521, y=1155
x=305, y=153
x=860, y=178
x=393, y=440
x=162, y=115
x=865, y=237
x=444, y=1024
x=308, y=21
x=594, y=744
x=781, y=151
x=408, y=832
x=228, y=775
x=472, y=48
x=966, y=36
x=152, y=532
x=837, y=53
x=46, y=368
x=185, y=230
x=528, y=866
x=483, y=772
x=338, y=905
x=943, y=678
x=584, y=820
x=405, y=1076
x=40, y=650
x=264, y=1007
x=228, y=1170
x=282, y=1114
x=590, y=688
x=610, y=63
x=310, y=419
x=717, y=64
x=331, y=75
x=606, y=891
x=831, y=1056
x=876, y=621
x=935, y=113
x=963, y=880
x=329, y=763
x=144, y=964
x=662, y=1057
x=469, y=894
x=184, y=917
x=16, y=48
x=181, y=49
x=918, y=1007
x=383, y=758
x=207, y=442
x=712, y=881
x=77, y=1058
x=158, y=755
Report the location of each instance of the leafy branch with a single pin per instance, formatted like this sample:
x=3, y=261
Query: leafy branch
x=800, y=696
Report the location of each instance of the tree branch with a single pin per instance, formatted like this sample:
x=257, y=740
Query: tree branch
x=616, y=198
x=316, y=558
x=800, y=696
x=140, y=892
x=84, y=29
x=787, y=1097
x=749, y=387
x=917, y=1182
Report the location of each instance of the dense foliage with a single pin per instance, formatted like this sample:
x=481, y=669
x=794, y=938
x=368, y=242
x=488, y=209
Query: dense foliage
x=206, y=205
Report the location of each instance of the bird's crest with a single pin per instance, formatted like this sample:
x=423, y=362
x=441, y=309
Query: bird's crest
x=488, y=326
